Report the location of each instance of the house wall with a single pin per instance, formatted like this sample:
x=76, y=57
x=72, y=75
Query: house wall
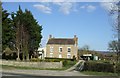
x=64, y=52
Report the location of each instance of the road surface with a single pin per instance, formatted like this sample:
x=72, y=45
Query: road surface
x=12, y=75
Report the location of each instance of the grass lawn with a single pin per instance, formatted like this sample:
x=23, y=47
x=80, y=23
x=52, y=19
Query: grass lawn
x=99, y=73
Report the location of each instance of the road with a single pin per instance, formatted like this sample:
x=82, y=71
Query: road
x=43, y=72
x=22, y=73
x=46, y=74
x=12, y=75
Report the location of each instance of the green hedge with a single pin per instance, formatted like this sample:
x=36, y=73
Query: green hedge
x=46, y=60
x=68, y=63
x=51, y=60
x=99, y=67
x=61, y=59
x=118, y=68
x=36, y=60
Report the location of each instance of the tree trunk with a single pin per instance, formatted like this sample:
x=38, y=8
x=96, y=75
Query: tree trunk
x=18, y=40
x=28, y=57
x=18, y=58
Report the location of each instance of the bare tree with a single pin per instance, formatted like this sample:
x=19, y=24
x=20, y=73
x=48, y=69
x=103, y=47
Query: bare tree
x=115, y=11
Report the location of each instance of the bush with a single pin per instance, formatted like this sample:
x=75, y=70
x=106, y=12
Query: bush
x=99, y=67
x=118, y=68
x=35, y=60
x=68, y=63
x=52, y=60
x=58, y=58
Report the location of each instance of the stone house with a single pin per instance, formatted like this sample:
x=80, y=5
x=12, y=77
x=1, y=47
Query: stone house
x=62, y=47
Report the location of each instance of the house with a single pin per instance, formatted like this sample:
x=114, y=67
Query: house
x=42, y=52
x=62, y=47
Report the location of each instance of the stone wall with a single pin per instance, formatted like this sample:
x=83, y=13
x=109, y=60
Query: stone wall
x=32, y=64
x=64, y=53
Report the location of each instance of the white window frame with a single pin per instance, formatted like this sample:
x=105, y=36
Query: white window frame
x=68, y=50
x=60, y=49
x=51, y=54
x=60, y=55
x=68, y=55
x=51, y=49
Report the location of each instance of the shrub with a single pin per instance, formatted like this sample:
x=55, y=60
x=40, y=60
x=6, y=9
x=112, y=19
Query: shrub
x=99, y=67
x=35, y=60
x=52, y=60
x=68, y=63
x=118, y=68
x=60, y=59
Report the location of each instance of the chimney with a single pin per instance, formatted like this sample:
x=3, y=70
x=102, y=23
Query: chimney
x=76, y=40
x=50, y=36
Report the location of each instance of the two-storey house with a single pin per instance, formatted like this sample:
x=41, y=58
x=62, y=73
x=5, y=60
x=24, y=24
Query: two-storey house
x=62, y=47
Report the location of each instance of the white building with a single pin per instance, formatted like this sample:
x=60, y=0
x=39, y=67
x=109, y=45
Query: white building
x=42, y=52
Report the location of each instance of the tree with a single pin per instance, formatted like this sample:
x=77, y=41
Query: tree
x=116, y=10
x=85, y=48
x=8, y=33
x=28, y=32
x=0, y=27
x=113, y=47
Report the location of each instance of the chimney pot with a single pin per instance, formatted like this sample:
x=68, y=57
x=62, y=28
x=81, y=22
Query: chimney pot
x=50, y=36
x=75, y=36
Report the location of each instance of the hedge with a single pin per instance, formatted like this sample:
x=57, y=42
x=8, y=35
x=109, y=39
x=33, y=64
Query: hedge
x=118, y=68
x=99, y=67
x=68, y=63
x=51, y=60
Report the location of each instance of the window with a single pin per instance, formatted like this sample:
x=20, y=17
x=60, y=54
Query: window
x=69, y=49
x=60, y=56
x=68, y=56
x=51, y=49
x=51, y=54
x=60, y=49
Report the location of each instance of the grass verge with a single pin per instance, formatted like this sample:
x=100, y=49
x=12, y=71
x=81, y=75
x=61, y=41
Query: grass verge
x=28, y=68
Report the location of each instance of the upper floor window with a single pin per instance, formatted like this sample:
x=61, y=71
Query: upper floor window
x=69, y=49
x=60, y=49
x=51, y=49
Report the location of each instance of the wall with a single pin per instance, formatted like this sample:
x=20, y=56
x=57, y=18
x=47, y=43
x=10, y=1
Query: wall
x=56, y=52
x=32, y=64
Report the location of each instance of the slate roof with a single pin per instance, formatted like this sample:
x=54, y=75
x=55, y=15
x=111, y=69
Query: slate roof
x=61, y=41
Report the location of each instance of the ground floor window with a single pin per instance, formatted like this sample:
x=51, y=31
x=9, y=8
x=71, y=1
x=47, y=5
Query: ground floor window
x=60, y=56
x=68, y=56
x=51, y=54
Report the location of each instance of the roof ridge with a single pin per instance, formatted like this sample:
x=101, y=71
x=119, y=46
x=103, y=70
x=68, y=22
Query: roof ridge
x=62, y=38
x=61, y=41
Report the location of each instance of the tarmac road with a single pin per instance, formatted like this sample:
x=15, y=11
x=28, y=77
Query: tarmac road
x=46, y=74
x=12, y=75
